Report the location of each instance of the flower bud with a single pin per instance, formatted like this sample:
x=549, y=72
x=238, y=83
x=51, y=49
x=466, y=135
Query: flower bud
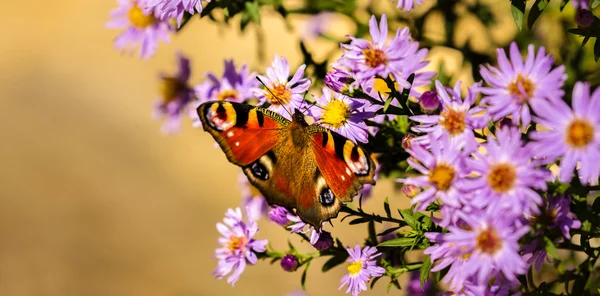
x=337, y=80
x=410, y=190
x=324, y=242
x=406, y=141
x=289, y=262
x=584, y=18
x=429, y=101
x=279, y=215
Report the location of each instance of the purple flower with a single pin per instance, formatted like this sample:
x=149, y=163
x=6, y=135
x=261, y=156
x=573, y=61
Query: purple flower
x=429, y=101
x=518, y=83
x=558, y=214
x=399, y=58
x=289, y=262
x=338, y=80
x=410, y=190
x=296, y=225
x=442, y=172
x=573, y=135
x=414, y=286
x=486, y=246
x=324, y=241
x=252, y=200
x=408, y=5
x=283, y=95
x=142, y=30
x=507, y=175
x=342, y=115
x=456, y=121
x=237, y=246
x=316, y=25
x=176, y=96
x=168, y=9
x=279, y=215
x=233, y=86
x=535, y=254
x=363, y=266
x=580, y=4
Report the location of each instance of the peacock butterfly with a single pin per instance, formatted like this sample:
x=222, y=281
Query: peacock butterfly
x=294, y=164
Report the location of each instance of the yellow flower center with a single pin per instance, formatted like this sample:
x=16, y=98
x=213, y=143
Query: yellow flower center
x=453, y=121
x=170, y=88
x=442, y=176
x=528, y=87
x=227, y=95
x=488, y=241
x=236, y=243
x=580, y=133
x=502, y=177
x=139, y=19
x=336, y=113
x=374, y=57
x=278, y=95
x=355, y=267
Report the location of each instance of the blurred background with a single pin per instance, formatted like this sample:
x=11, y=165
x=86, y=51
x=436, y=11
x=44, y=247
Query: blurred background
x=94, y=200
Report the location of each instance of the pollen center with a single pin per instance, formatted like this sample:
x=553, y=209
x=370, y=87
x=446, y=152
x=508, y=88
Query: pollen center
x=502, y=177
x=374, y=57
x=278, y=95
x=355, y=267
x=453, y=121
x=236, y=243
x=170, y=88
x=227, y=95
x=336, y=113
x=515, y=88
x=488, y=241
x=442, y=176
x=139, y=19
x=580, y=133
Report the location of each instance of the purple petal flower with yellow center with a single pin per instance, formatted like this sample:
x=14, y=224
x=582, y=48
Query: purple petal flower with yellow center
x=456, y=120
x=517, y=83
x=362, y=267
x=142, y=30
x=398, y=58
x=484, y=247
x=169, y=9
x=408, y=5
x=238, y=247
x=176, y=96
x=234, y=86
x=442, y=172
x=507, y=175
x=342, y=115
x=558, y=214
x=283, y=95
x=252, y=200
x=571, y=134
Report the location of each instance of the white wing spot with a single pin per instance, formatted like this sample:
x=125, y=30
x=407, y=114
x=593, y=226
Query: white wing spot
x=343, y=178
x=237, y=144
x=230, y=134
x=348, y=171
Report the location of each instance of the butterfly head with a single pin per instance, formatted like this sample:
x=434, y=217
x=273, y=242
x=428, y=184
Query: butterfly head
x=298, y=117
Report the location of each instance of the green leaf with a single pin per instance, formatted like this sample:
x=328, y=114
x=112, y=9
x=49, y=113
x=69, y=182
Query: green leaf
x=537, y=9
x=425, y=269
x=518, y=11
x=253, y=10
x=410, y=219
x=303, y=278
x=597, y=49
x=359, y=221
x=336, y=260
x=563, y=4
x=387, y=104
x=386, y=207
x=398, y=242
x=388, y=231
x=551, y=248
x=595, y=3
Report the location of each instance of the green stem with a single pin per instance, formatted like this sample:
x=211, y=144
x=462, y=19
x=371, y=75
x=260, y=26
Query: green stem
x=376, y=218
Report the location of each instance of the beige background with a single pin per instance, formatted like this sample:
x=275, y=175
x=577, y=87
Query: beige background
x=93, y=199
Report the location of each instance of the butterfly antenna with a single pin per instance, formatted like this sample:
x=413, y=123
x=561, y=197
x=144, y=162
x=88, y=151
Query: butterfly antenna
x=274, y=96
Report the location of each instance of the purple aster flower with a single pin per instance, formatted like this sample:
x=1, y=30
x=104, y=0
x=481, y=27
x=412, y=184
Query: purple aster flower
x=142, y=30
x=535, y=254
x=429, y=101
x=252, y=200
x=517, y=83
x=169, y=9
x=363, y=266
x=238, y=247
x=235, y=86
x=456, y=121
x=410, y=190
x=443, y=173
x=558, y=214
x=414, y=286
x=296, y=225
x=408, y=5
x=485, y=247
x=176, y=96
x=324, y=241
x=572, y=134
x=338, y=80
x=279, y=215
x=580, y=4
x=507, y=175
x=283, y=95
x=342, y=115
x=398, y=58
x=289, y=262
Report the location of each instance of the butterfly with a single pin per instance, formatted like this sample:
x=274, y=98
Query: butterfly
x=292, y=163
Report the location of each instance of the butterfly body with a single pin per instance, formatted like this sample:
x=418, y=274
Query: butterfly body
x=294, y=164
